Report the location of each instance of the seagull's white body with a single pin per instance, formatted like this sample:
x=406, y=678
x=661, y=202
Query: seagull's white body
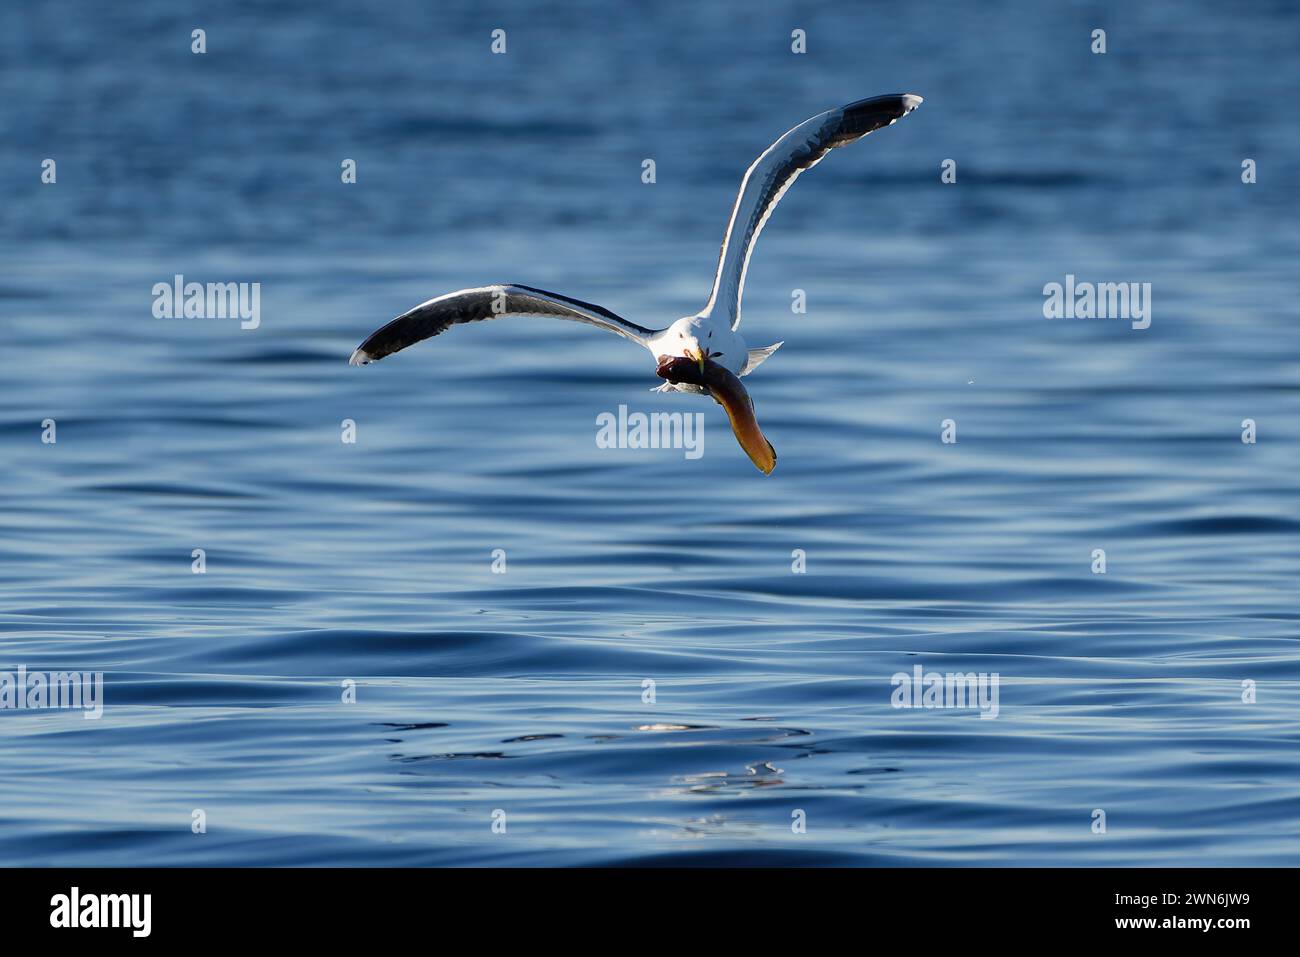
x=712, y=333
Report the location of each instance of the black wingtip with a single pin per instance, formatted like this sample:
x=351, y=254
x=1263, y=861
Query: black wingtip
x=866, y=116
x=901, y=103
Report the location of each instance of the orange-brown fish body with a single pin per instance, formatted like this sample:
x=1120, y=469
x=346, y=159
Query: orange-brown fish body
x=729, y=393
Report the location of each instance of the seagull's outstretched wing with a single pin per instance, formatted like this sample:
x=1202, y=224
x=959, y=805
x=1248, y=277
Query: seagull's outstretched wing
x=771, y=174
x=488, y=302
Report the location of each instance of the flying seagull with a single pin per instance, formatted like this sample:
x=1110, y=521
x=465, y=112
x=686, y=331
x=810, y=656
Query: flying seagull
x=710, y=336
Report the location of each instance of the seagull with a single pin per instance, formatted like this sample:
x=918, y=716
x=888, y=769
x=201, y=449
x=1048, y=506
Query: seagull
x=710, y=336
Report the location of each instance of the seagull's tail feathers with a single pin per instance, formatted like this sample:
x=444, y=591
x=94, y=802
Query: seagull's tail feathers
x=757, y=356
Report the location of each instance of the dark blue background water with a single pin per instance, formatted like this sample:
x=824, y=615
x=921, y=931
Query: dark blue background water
x=523, y=691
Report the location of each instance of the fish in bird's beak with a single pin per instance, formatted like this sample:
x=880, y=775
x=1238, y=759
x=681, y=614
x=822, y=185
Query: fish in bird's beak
x=728, y=392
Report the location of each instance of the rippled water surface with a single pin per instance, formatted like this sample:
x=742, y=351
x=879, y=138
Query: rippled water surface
x=523, y=692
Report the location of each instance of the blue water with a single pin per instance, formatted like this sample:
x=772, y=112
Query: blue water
x=523, y=692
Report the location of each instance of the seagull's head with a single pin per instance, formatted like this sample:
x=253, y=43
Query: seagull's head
x=684, y=339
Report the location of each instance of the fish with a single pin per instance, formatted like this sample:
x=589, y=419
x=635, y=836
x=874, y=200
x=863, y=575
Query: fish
x=726, y=390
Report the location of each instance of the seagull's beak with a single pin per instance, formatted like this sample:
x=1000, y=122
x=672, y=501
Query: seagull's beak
x=698, y=355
